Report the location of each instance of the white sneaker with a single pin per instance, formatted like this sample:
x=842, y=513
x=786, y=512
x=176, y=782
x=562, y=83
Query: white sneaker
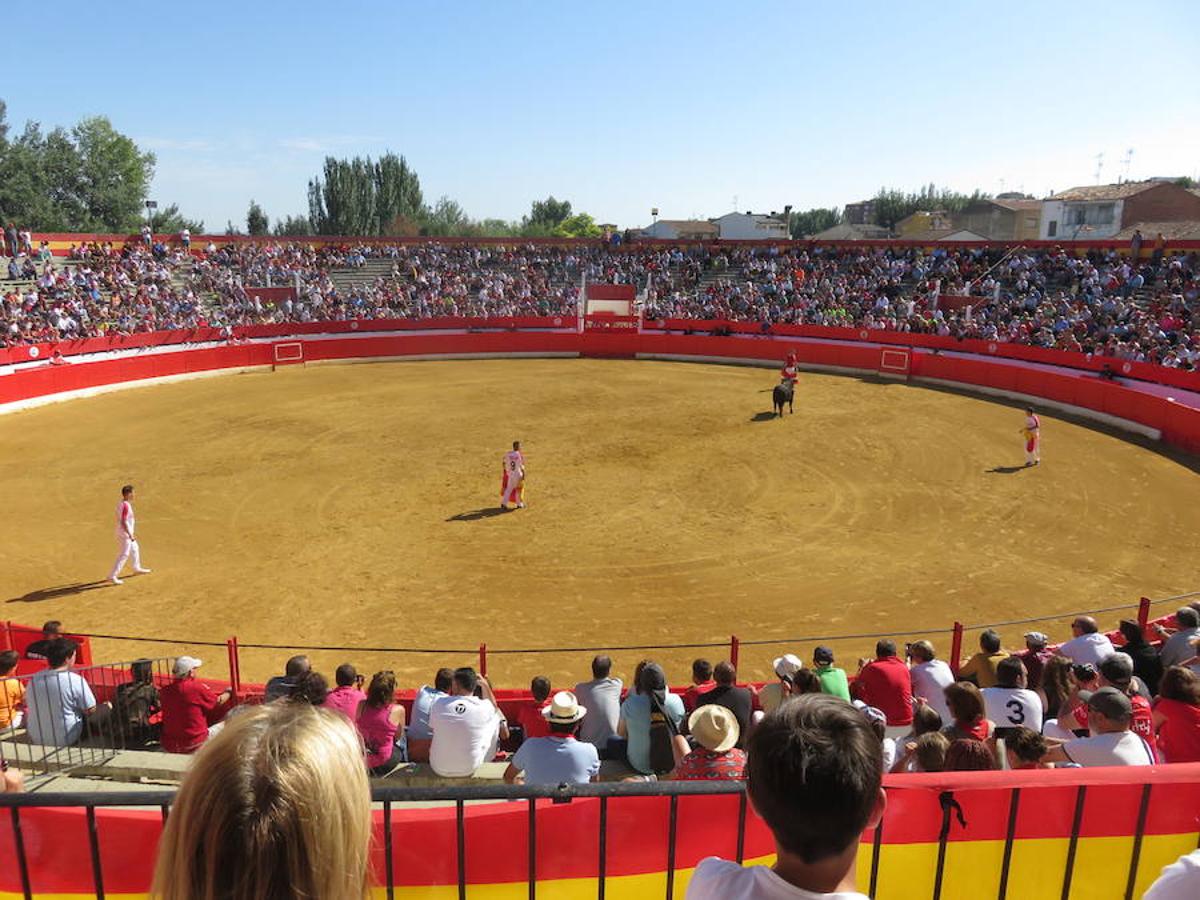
x=115, y=580
x=141, y=571
x=520, y=506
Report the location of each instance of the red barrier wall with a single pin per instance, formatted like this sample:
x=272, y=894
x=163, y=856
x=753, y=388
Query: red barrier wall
x=1176, y=417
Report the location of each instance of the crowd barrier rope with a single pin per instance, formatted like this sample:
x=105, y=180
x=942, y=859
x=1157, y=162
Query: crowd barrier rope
x=17, y=637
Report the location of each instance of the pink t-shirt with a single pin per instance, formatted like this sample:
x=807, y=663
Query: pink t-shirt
x=378, y=733
x=345, y=699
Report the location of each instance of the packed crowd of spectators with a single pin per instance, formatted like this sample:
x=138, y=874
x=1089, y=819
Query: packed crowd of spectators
x=1084, y=702
x=1104, y=302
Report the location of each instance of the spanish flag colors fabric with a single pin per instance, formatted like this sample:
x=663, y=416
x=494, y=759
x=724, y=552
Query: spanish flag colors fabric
x=977, y=812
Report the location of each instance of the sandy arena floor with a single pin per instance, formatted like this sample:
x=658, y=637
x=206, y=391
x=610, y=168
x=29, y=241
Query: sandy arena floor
x=355, y=505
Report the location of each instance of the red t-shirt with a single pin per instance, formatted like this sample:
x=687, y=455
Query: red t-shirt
x=886, y=685
x=691, y=697
x=188, y=708
x=1179, y=736
x=531, y=720
x=1142, y=723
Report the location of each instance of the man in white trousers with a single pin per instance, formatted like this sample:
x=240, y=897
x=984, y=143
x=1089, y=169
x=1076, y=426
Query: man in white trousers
x=512, y=478
x=126, y=538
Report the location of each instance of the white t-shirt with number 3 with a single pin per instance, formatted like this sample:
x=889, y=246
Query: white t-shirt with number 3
x=1013, y=707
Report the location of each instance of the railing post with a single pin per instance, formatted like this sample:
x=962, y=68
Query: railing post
x=735, y=647
x=483, y=660
x=235, y=667
x=1143, y=613
x=5, y=636
x=956, y=647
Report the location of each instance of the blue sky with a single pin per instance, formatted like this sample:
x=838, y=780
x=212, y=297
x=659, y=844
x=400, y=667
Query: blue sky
x=623, y=106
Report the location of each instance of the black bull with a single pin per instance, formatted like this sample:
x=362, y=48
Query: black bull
x=785, y=392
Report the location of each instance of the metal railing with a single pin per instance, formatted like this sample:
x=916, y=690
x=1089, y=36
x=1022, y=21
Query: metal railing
x=389, y=798
x=58, y=731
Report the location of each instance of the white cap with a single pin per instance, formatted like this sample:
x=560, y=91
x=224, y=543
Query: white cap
x=788, y=665
x=184, y=665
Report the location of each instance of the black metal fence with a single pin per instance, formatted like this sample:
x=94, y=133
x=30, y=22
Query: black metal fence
x=81, y=717
x=1123, y=875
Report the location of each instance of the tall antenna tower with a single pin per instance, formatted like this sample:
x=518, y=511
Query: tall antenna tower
x=1099, y=165
x=1128, y=162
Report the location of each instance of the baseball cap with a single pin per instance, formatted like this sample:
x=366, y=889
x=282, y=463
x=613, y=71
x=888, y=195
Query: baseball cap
x=1117, y=668
x=1036, y=637
x=787, y=665
x=823, y=655
x=184, y=665
x=1109, y=702
x=873, y=713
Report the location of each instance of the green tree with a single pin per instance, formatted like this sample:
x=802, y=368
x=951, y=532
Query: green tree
x=398, y=199
x=813, y=221
x=114, y=176
x=292, y=226
x=891, y=205
x=169, y=220
x=1183, y=181
x=580, y=225
x=546, y=214
x=257, y=222
x=447, y=218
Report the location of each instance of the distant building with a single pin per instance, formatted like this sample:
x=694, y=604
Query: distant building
x=939, y=235
x=1171, y=231
x=682, y=230
x=847, y=232
x=1096, y=212
x=1002, y=219
x=923, y=221
x=862, y=213
x=750, y=226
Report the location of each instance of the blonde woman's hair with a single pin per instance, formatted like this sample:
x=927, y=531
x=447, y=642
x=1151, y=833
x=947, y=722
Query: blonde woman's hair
x=277, y=805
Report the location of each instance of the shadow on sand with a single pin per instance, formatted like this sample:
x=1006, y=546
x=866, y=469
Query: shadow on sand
x=62, y=590
x=476, y=514
x=1006, y=470
x=763, y=417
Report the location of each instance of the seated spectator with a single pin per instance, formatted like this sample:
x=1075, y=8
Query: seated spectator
x=1056, y=686
x=930, y=677
x=557, y=757
x=348, y=694
x=879, y=725
x=833, y=680
x=806, y=681
x=702, y=683
x=281, y=685
x=926, y=753
x=529, y=714
x=58, y=701
x=243, y=825
x=885, y=684
x=716, y=757
x=738, y=700
x=926, y=720
x=1177, y=715
x=1024, y=748
x=981, y=668
x=380, y=722
x=601, y=697
x=1179, y=647
x=310, y=688
x=650, y=719
x=420, y=737
x=1088, y=645
x=967, y=755
x=1115, y=671
x=1035, y=656
x=135, y=704
x=1146, y=662
x=191, y=712
x=814, y=770
x=467, y=728
x=51, y=631
x=1111, y=742
x=1010, y=704
x=12, y=691
x=771, y=695
x=968, y=719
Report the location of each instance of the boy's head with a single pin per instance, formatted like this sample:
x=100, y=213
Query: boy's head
x=813, y=774
x=1025, y=748
x=8, y=661
x=931, y=751
x=702, y=671
x=540, y=688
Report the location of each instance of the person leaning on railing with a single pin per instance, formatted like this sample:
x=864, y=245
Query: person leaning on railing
x=59, y=702
x=12, y=691
x=275, y=806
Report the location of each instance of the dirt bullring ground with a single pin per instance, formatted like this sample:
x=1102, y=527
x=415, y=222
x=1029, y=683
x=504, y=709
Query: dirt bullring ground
x=354, y=505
